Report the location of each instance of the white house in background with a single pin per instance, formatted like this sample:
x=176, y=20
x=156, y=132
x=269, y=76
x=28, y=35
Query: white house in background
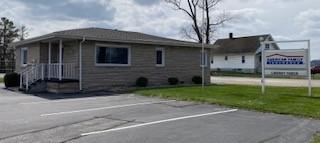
x=239, y=54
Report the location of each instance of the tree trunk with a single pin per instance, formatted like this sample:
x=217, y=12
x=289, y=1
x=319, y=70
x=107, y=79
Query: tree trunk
x=207, y=22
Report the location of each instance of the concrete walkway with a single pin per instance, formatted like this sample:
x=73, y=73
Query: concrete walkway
x=269, y=81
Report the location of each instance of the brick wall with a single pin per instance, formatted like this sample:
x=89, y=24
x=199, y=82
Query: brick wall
x=180, y=62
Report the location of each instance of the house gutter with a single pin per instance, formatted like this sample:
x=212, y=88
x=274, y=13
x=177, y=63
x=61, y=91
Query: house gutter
x=80, y=63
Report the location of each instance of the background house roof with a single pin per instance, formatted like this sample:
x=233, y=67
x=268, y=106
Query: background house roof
x=110, y=35
x=248, y=44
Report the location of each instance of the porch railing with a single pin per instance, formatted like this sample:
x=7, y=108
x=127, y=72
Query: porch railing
x=35, y=72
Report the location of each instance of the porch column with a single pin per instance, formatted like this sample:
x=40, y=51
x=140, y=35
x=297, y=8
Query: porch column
x=49, y=60
x=60, y=59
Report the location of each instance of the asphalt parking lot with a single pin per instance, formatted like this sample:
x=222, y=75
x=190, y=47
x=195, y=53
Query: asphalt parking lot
x=122, y=118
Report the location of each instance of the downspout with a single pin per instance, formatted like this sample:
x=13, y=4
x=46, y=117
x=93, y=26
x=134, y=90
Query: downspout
x=80, y=63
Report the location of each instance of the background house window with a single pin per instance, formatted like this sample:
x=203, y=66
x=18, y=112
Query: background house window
x=267, y=46
x=225, y=58
x=243, y=59
x=203, y=58
x=112, y=55
x=160, y=57
x=24, y=56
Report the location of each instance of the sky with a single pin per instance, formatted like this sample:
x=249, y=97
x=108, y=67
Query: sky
x=283, y=19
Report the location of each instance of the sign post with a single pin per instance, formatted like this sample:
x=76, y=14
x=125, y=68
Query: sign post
x=286, y=62
x=309, y=70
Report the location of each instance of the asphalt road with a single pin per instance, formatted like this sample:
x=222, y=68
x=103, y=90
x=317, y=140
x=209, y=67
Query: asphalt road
x=257, y=81
x=102, y=117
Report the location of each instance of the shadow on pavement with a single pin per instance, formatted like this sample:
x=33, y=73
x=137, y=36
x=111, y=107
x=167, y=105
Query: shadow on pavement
x=57, y=96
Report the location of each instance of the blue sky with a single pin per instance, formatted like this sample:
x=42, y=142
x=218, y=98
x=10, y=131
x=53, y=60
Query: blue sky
x=284, y=19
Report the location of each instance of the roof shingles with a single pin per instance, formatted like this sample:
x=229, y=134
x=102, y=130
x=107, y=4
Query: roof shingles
x=111, y=35
x=239, y=45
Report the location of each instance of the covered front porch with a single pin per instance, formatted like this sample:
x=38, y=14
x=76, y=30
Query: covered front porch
x=55, y=60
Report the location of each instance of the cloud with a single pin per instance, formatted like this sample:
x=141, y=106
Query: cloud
x=158, y=19
x=244, y=21
x=147, y=2
x=268, y=1
x=42, y=17
x=63, y=9
x=309, y=23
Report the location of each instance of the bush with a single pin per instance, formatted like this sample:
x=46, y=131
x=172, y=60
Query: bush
x=173, y=80
x=142, y=82
x=197, y=79
x=11, y=80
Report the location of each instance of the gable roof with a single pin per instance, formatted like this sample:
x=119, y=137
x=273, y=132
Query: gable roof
x=110, y=35
x=248, y=44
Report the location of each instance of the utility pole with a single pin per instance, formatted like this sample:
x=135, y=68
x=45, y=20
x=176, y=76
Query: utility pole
x=203, y=60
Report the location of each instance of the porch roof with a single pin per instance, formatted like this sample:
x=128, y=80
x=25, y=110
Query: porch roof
x=109, y=35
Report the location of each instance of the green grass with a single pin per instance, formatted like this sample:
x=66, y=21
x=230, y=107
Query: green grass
x=281, y=100
x=316, y=76
x=239, y=74
x=316, y=139
x=1, y=79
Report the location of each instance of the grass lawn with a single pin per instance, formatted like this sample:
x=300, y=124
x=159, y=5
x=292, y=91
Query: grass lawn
x=280, y=100
x=316, y=139
x=238, y=74
x=316, y=76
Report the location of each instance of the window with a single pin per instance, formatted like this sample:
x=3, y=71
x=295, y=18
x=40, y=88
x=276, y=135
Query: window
x=226, y=58
x=203, y=59
x=112, y=55
x=24, y=56
x=267, y=46
x=243, y=59
x=160, y=57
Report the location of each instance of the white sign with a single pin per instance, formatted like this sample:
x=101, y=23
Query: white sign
x=286, y=62
x=289, y=62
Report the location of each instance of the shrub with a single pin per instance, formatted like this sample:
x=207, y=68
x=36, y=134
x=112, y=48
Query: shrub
x=197, y=79
x=173, y=80
x=11, y=80
x=142, y=82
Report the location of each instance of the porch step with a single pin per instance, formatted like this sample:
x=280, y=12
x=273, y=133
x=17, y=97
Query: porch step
x=36, y=87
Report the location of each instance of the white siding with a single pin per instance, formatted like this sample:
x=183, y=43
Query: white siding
x=234, y=61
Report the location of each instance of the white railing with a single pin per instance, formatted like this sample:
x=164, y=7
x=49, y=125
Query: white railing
x=35, y=72
x=31, y=74
x=68, y=71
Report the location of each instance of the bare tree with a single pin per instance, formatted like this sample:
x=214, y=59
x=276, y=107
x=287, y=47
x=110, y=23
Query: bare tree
x=199, y=27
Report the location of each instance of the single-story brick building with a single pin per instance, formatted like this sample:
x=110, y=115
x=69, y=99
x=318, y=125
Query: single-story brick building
x=102, y=59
